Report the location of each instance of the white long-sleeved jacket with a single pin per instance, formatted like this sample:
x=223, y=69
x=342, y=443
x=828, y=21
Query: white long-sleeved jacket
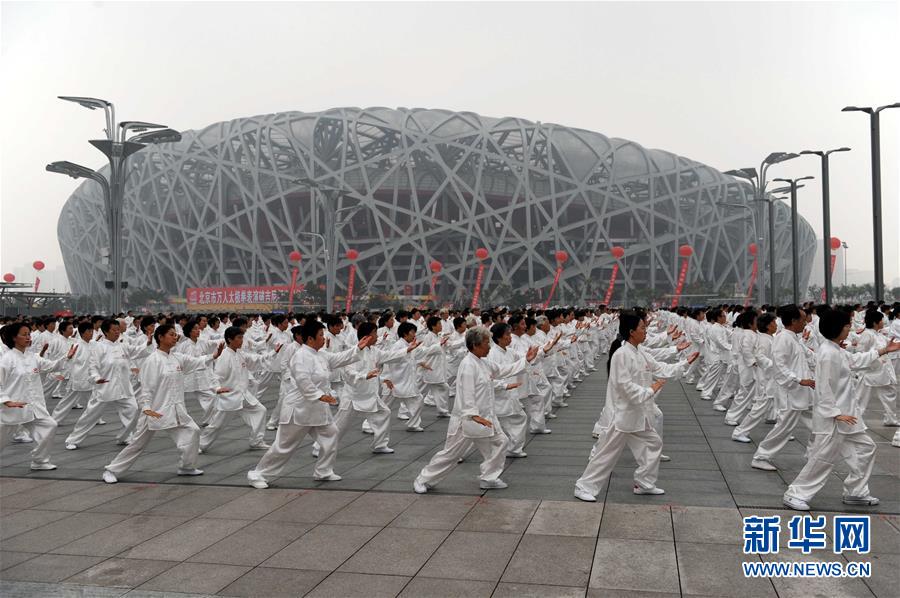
x=835, y=393
x=310, y=371
x=790, y=365
x=162, y=387
x=232, y=371
x=20, y=380
x=475, y=391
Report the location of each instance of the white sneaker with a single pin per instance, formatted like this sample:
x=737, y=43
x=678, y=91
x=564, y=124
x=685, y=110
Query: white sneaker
x=741, y=438
x=719, y=408
x=794, y=503
x=763, y=465
x=895, y=442
x=419, y=487
x=728, y=422
x=331, y=477
x=497, y=484
x=383, y=451
x=23, y=438
x=271, y=427
x=367, y=427
x=315, y=452
x=415, y=429
x=862, y=501
x=109, y=477
x=259, y=483
x=402, y=416
x=77, y=406
x=71, y=447
x=101, y=422
x=42, y=466
x=262, y=446
x=891, y=423
x=595, y=435
x=544, y=431
x=428, y=402
x=585, y=496
x=561, y=404
x=192, y=471
x=551, y=416
x=122, y=442
x=443, y=414
x=665, y=458
x=653, y=491
x=516, y=454
x=791, y=438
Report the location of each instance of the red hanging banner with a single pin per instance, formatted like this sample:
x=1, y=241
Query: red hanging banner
x=350, y=287
x=553, y=286
x=37, y=283
x=478, y=280
x=680, y=286
x=754, y=271
x=833, y=262
x=612, y=284
x=434, y=280
x=294, y=274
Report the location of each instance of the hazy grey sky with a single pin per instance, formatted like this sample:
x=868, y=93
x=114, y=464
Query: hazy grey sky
x=723, y=83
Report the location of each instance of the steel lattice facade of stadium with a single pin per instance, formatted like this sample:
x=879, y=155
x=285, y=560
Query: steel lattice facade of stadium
x=222, y=208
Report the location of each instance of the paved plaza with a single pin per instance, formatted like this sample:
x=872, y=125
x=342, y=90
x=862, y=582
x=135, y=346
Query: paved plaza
x=64, y=533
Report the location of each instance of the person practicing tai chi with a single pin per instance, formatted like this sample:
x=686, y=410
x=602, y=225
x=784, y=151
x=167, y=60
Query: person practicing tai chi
x=162, y=406
x=629, y=414
x=472, y=420
x=838, y=428
x=305, y=409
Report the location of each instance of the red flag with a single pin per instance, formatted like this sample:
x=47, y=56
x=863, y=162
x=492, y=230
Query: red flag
x=681, y=277
x=350, y=287
x=612, y=284
x=553, y=286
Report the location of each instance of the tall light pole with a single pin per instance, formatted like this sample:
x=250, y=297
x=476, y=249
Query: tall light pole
x=758, y=182
x=795, y=248
x=846, y=247
x=826, y=213
x=875, y=129
x=117, y=150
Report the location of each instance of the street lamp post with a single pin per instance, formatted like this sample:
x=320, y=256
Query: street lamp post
x=117, y=149
x=826, y=214
x=846, y=247
x=875, y=132
x=758, y=182
x=795, y=249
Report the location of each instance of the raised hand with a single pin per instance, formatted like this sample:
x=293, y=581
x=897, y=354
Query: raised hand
x=808, y=382
x=152, y=413
x=484, y=422
x=657, y=385
x=693, y=357
x=72, y=352
x=531, y=354
x=44, y=349
x=373, y=374
x=328, y=399
x=219, y=350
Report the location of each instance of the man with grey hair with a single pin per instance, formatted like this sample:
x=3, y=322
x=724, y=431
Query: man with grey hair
x=472, y=421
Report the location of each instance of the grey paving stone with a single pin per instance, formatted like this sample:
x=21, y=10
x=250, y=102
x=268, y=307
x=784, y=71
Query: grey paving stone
x=435, y=512
x=636, y=522
x=566, y=519
x=635, y=565
x=607, y=593
x=9, y=558
x=274, y=583
x=817, y=587
x=146, y=497
x=717, y=572
x=359, y=585
x=121, y=536
x=522, y=590
x=63, y=531
x=373, y=508
x=254, y=505
x=27, y=589
x=10, y=486
x=198, y=502
x=185, y=540
x=471, y=555
x=195, y=578
x=312, y=506
x=88, y=498
x=419, y=587
x=551, y=560
x=396, y=551
x=124, y=573
x=708, y=525
x=44, y=493
x=253, y=544
x=12, y=524
x=885, y=572
x=49, y=567
x=499, y=515
x=324, y=547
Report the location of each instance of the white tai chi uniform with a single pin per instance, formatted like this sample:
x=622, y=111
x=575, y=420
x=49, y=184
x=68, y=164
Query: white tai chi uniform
x=834, y=441
x=718, y=351
x=879, y=380
x=20, y=380
x=406, y=385
x=303, y=413
x=628, y=418
x=80, y=385
x=435, y=379
x=200, y=384
x=764, y=395
x=162, y=391
x=474, y=397
x=507, y=406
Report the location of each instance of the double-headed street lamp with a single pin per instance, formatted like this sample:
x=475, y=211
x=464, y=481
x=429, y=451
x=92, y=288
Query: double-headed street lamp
x=795, y=249
x=758, y=182
x=826, y=213
x=117, y=149
x=875, y=128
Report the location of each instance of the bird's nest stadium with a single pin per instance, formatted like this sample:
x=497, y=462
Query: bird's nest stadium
x=226, y=205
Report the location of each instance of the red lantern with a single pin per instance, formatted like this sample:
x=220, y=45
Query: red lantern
x=38, y=265
x=352, y=254
x=617, y=252
x=752, y=248
x=481, y=253
x=436, y=266
x=9, y=277
x=835, y=243
x=685, y=251
x=321, y=286
x=562, y=257
x=294, y=256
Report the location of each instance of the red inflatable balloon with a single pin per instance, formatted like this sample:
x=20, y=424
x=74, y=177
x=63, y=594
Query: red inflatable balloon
x=481, y=253
x=617, y=252
x=9, y=277
x=562, y=256
x=752, y=248
x=38, y=265
x=294, y=256
x=685, y=251
x=352, y=254
x=835, y=243
x=436, y=266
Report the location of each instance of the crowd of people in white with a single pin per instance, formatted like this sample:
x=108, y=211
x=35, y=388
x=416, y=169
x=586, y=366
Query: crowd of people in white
x=495, y=375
